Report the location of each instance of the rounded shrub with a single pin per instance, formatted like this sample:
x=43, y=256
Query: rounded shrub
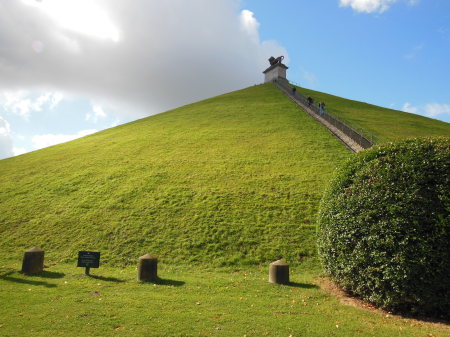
x=384, y=226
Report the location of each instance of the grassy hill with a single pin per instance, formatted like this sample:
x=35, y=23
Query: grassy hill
x=384, y=124
x=231, y=180
x=235, y=179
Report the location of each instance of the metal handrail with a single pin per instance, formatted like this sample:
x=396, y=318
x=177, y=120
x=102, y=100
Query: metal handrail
x=369, y=135
x=357, y=137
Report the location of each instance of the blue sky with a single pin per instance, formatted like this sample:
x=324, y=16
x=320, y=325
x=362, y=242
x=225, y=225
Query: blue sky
x=69, y=68
x=393, y=58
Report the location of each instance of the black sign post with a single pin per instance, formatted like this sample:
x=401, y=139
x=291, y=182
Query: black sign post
x=88, y=260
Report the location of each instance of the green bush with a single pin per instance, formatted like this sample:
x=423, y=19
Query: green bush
x=384, y=226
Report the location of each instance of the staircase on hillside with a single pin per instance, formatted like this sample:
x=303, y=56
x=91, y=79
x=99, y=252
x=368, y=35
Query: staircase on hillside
x=354, y=140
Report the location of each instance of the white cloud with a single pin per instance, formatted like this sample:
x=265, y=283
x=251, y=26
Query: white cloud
x=436, y=109
x=367, y=6
x=16, y=102
x=372, y=6
x=96, y=114
x=56, y=98
x=18, y=151
x=115, y=123
x=80, y=16
x=407, y=107
x=250, y=25
x=432, y=110
x=168, y=53
x=41, y=141
x=23, y=103
x=98, y=110
x=40, y=101
x=6, y=144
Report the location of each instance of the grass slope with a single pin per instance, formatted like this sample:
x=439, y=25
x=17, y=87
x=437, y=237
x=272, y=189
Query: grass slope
x=235, y=179
x=385, y=124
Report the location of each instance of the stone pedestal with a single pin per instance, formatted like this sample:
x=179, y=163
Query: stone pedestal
x=279, y=272
x=33, y=261
x=148, y=268
x=276, y=72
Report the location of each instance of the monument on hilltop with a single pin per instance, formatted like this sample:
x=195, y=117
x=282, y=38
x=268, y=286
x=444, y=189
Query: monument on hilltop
x=276, y=71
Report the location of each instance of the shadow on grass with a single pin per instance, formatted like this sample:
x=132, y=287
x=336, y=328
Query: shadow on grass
x=302, y=285
x=349, y=299
x=8, y=278
x=106, y=279
x=166, y=282
x=49, y=274
x=427, y=319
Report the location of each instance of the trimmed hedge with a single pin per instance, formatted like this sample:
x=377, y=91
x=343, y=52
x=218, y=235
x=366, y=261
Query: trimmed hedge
x=384, y=226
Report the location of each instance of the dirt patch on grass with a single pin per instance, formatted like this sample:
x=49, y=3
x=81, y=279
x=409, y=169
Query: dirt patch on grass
x=332, y=288
x=345, y=298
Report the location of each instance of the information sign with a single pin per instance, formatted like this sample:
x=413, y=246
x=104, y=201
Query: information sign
x=88, y=260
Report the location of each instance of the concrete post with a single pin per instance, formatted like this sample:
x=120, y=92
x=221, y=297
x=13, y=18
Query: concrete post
x=33, y=261
x=148, y=268
x=279, y=272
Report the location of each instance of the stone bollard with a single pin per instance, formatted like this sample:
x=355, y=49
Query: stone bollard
x=279, y=272
x=33, y=261
x=148, y=268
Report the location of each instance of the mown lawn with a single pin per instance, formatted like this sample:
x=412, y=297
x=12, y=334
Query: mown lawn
x=188, y=301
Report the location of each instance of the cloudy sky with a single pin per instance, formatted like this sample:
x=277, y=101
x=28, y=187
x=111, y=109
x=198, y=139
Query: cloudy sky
x=69, y=68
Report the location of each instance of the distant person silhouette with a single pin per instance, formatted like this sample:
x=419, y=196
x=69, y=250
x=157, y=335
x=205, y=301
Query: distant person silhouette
x=322, y=108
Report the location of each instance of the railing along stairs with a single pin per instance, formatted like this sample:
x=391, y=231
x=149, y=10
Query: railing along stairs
x=353, y=139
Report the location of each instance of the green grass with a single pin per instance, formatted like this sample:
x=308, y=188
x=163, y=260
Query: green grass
x=232, y=180
x=216, y=190
x=382, y=123
x=189, y=301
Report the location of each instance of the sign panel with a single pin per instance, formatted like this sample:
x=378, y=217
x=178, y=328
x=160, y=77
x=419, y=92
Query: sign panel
x=88, y=259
